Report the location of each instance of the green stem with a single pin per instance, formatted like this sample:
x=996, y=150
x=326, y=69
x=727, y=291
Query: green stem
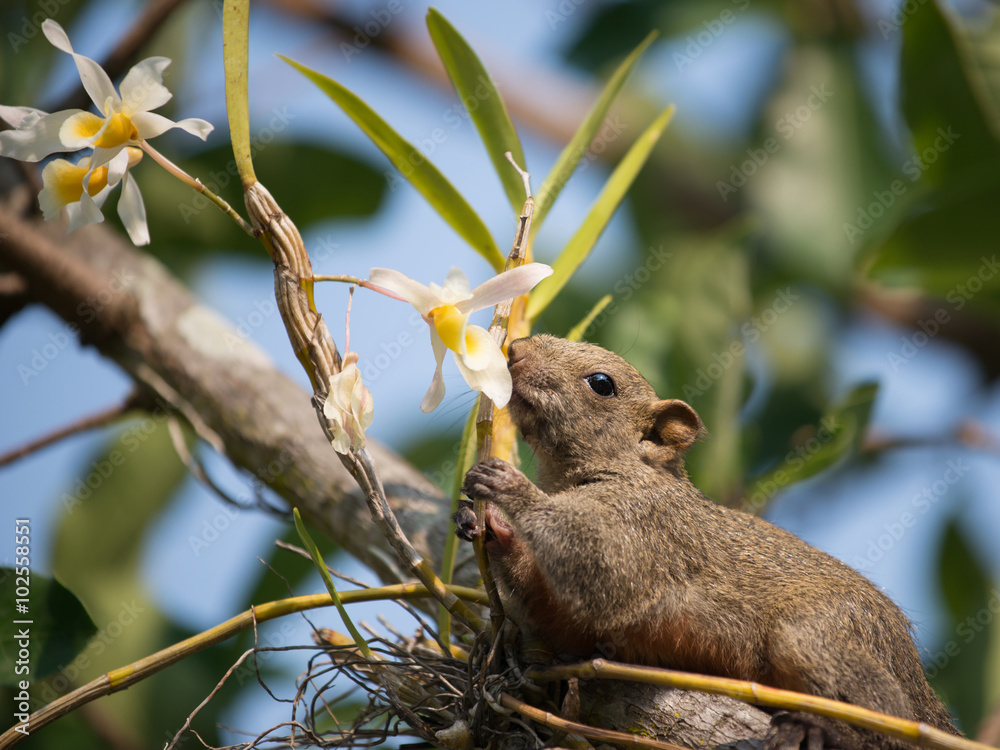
x=328, y=580
x=466, y=455
x=187, y=179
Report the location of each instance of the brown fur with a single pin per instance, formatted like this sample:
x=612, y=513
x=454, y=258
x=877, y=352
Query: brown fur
x=616, y=553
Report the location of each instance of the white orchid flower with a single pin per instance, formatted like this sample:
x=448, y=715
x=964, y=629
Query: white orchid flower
x=124, y=120
x=349, y=406
x=64, y=188
x=446, y=310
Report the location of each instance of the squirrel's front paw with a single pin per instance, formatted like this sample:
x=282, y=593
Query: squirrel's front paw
x=495, y=480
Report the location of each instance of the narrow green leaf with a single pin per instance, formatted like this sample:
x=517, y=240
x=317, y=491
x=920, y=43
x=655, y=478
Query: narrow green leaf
x=235, y=14
x=423, y=175
x=579, y=247
x=482, y=100
x=466, y=456
x=570, y=157
x=328, y=582
x=577, y=331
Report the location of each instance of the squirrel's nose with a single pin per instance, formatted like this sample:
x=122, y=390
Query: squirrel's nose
x=516, y=351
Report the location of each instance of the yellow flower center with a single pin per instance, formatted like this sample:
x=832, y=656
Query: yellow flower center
x=450, y=325
x=63, y=180
x=118, y=129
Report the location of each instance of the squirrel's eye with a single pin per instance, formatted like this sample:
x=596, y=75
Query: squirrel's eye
x=601, y=384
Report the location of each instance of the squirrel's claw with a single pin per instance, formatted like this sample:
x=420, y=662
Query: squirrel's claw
x=799, y=731
x=465, y=522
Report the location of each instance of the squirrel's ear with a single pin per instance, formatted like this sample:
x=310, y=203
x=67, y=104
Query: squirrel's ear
x=675, y=427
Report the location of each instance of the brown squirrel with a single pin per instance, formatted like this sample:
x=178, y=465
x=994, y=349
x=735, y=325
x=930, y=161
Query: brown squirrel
x=615, y=552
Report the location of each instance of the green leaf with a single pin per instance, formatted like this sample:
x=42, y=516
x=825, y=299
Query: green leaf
x=473, y=84
x=54, y=628
x=577, y=331
x=579, y=247
x=950, y=84
x=957, y=667
x=941, y=94
x=570, y=157
x=423, y=175
x=235, y=31
x=839, y=434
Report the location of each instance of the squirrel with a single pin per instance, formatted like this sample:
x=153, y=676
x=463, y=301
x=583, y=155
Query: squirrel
x=614, y=551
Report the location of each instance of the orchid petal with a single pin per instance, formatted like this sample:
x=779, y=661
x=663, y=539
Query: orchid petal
x=20, y=117
x=456, y=286
x=62, y=185
x=436, y=391
x=493, y=381
x=92, y=75
x=142, y=87
x=87, y=211
x=480, y=350
x=509, y=284
x=149, y=125
x=81, y=130
x=348, y=406
x=34, y=140
x=412, y=291
x=117, y=167
x=132, y=211
x=102, y=156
